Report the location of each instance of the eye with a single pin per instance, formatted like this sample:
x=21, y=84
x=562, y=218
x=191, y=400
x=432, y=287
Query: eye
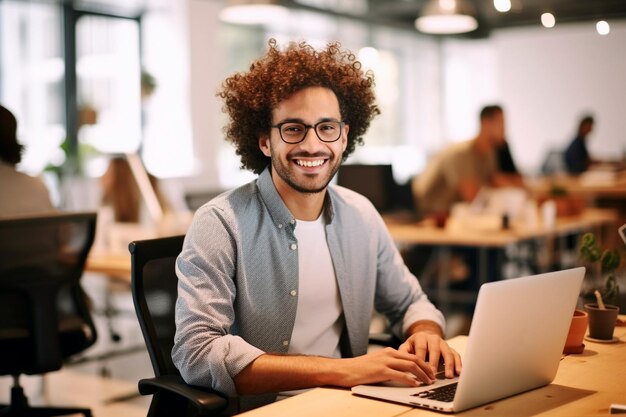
x=292, y=128
x=327, y=127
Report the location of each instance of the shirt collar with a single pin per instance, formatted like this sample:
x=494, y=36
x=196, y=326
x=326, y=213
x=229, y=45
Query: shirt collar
x=277, y=208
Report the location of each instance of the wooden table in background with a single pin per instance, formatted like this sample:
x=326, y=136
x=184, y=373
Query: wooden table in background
x=114, y=265
x=544, y=241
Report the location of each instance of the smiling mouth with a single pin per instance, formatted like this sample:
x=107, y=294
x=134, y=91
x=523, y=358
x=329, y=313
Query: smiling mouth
x=310, y=163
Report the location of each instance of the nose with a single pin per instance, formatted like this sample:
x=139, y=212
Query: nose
x=310, y=142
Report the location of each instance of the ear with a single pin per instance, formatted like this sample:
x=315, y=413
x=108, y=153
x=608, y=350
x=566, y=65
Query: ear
x=264, y=145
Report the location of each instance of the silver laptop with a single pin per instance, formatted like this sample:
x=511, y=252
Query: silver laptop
x=515, y=344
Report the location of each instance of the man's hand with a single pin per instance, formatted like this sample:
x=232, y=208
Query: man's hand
x=275, y=373
x=425, y=341
x=385, y=365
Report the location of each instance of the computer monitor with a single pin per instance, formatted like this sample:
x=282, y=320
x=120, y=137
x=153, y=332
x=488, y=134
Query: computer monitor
x=145, y=187
x=372, y=181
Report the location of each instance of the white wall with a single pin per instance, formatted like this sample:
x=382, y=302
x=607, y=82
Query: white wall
x=546, y=79
x=549, y=77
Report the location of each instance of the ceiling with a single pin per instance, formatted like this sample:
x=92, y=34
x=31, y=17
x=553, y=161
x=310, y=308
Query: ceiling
x=402, y=13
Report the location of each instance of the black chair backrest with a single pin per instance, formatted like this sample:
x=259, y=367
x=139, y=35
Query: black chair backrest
x=154, y=286
x=375, y=182
x=41, y=262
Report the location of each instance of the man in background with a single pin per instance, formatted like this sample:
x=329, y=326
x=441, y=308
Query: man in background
x=462, y=169
x=20, y=193
x=577, y=159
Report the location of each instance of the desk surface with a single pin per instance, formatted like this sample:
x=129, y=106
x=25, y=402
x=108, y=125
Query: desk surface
x=585, y=385
x=114, y=265
x=420, y=234
x=579, y=186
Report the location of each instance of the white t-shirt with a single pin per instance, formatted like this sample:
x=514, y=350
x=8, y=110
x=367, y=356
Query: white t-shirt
x=319, y=319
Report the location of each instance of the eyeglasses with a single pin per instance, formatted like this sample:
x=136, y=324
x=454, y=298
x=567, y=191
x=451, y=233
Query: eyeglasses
x=295, y=132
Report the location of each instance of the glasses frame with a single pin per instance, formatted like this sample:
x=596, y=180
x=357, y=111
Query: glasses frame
x=279, y=126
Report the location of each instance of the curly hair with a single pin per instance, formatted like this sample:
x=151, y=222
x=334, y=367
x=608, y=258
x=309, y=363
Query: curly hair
x=250, y=97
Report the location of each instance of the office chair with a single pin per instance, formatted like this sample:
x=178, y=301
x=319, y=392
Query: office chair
x=44, y=318
x=154, y=287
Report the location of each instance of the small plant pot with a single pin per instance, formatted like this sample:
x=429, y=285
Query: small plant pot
x=577, y=330
x=602, y=322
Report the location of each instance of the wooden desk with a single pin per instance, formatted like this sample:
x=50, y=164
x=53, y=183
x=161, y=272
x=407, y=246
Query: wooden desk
x=421, y=234
x=543, y=242
x=585, y=385
x=610, y=194
x=114, y=265
x=574, y=185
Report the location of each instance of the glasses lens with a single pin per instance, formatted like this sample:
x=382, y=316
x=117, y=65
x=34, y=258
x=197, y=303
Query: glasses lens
x=328, y=131
x=292, y=132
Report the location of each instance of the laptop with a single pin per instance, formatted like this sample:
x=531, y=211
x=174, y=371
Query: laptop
x=515, y=344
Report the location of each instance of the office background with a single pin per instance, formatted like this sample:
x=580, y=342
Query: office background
x=430, y=88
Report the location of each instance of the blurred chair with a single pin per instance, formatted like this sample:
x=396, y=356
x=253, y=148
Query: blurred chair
x=154, y=287
x=44, y=317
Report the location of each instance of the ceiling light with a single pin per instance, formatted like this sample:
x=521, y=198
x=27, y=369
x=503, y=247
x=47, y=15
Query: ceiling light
x=253, y=12
x=603, y=27
x=444, y=17
x=502, y=5
x=548, y=20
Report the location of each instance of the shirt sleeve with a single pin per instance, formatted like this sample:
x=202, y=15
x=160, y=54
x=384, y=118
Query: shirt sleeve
x=206, y=352
x=399, y=295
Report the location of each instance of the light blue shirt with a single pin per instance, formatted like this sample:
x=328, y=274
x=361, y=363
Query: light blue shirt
x=238, y=282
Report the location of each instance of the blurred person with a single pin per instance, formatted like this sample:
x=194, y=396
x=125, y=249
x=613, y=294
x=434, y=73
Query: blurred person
x=577, y=159
x=278, y=278
x=19, y=193
x=462, y=169
x=121, y=192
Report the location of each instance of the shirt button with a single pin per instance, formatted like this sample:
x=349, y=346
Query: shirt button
x=280, y=225
x=294, y=246
x=285, y=342
x=293, y=293
x=292, y=221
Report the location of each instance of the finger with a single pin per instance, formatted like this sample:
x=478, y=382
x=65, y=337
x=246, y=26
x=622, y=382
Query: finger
x=452, y=362
x=406, y=378
x=406, y=347
x=457, y=362
x=434, y=355
x=420, y=369
x=420, y=347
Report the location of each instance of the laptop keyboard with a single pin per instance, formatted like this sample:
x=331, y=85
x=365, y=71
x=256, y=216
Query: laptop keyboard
x=444, y=394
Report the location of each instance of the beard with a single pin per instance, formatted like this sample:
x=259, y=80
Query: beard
x=317, y=183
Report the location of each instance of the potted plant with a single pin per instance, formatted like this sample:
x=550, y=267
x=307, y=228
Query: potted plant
x=603, y=313
x=602, y=263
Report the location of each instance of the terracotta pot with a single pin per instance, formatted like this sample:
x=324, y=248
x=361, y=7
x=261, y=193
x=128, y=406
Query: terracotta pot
x=577, y=330
x=602, y=322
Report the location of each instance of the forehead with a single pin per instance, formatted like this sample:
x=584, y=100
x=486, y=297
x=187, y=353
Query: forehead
x=310, y=103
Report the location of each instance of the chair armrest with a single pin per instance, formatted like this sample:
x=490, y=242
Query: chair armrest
x=202, y=398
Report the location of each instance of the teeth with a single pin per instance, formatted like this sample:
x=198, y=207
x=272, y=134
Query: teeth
x=315, y=163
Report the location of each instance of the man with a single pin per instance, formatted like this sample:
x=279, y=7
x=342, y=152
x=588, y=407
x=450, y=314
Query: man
x=21, y=193
x=577, y=159
x=459, y=172
x=278, y=278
